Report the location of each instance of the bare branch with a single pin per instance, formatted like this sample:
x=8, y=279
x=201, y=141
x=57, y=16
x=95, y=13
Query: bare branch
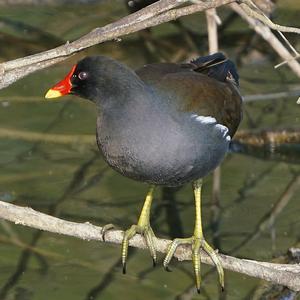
x=268, y=137
x=152, y=15
x=45, y=2
x=271, y=96
x=266, y=33
x=264, y=137
x=252, y=11
x=286, y=61
x=284, y=274
x=212, y=29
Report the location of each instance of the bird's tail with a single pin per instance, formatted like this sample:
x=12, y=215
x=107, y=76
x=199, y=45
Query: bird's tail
x=218, y=66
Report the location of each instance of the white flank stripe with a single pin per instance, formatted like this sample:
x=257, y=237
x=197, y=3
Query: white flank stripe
x=212, y=120
x=223, y=128
x=204, y=119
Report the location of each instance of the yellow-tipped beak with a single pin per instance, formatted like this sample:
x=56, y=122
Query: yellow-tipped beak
x=53, y=94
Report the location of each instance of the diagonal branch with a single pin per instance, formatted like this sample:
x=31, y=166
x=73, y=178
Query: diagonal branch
x=252, y=11
x=283, y=274
x=152, y=15
x=265, y=32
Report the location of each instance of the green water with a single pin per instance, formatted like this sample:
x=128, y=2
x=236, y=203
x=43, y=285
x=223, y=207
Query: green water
x=74, y=183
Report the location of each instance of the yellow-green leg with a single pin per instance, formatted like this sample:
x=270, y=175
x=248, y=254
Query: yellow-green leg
x=197, y=242
x=143, y=227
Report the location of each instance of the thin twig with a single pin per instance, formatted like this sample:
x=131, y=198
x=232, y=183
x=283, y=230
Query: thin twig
x=252, y=11
x=266, y=33
x=286, y=61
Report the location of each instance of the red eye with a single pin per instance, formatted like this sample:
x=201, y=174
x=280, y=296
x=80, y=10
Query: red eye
x=83, y=75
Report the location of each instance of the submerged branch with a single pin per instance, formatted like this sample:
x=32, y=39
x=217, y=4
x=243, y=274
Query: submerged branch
x=268, y=137
x=255, y=138
x=283, y=274
x=63, y=139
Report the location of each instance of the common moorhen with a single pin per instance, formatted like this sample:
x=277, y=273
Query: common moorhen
x=165, y=124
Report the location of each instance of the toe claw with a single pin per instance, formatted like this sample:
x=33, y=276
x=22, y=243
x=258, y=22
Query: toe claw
x=167, y=269
x=153, y=262
x=149, y=236
x=124, y=268
x=197, y=243
x=127, y=236
x=214, y=257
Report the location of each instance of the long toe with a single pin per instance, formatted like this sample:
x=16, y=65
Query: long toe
x=214, y=257
x=127, y=236
x=172, y=248
x=197, y=262
x=150, y=241
x=149, y=236
x=197, y=244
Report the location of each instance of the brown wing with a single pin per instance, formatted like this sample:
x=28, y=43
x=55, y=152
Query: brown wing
x=154, y=73
x=196, y=92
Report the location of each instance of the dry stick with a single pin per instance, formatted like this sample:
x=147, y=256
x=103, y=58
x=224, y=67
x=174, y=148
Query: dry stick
x=45, y=2
x=283, y=274
x=266, y=33
x=151, y=15
x=269, y=96
x=252, y=11
x=212, y=30
x=267, y=137
x=286, y=61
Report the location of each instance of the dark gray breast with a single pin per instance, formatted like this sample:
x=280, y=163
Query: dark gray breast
x=160, y=147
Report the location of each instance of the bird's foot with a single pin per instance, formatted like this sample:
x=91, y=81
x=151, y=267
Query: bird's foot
x=197, y=243
x=147, y=232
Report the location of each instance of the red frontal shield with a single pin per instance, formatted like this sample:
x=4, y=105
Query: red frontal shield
x=63, y=87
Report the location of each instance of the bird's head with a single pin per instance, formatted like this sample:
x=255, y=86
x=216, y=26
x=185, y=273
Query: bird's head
x=93, y=78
